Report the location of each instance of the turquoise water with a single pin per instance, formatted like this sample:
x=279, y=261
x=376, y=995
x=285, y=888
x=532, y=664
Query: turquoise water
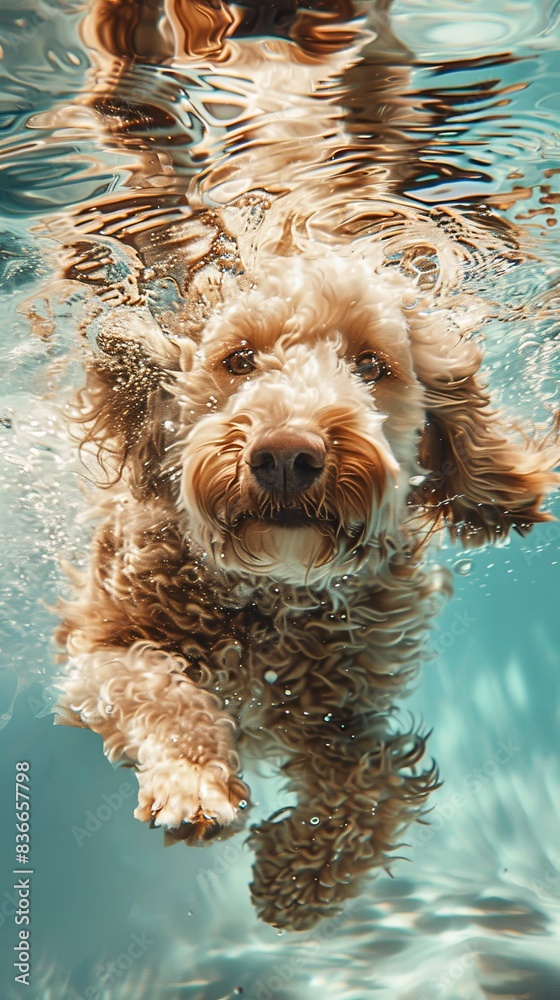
x=472, y=910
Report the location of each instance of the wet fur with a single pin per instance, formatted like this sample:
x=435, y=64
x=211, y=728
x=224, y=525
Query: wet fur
x=188, y=605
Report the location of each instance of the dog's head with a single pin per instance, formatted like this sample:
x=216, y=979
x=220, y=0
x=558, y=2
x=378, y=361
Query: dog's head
x=324, y=416
x=303, y=466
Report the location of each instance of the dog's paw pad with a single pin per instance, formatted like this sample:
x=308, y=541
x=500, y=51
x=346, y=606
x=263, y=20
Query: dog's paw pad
x=196, y=800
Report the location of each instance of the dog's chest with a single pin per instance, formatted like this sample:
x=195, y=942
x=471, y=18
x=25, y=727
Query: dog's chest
x=286, y=652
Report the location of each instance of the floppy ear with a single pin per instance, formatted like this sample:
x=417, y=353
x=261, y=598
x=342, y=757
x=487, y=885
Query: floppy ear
x=127, y=399
x=482, y=478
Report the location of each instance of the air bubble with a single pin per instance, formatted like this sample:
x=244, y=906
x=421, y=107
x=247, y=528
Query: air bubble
x=270, y=676
x=463, y=567
x=243, y=804
x=314, y=821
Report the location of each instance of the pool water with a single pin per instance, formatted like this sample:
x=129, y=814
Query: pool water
x=471, y=907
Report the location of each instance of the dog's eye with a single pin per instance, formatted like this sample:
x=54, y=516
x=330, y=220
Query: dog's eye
x=370, y=368
x=240, y=362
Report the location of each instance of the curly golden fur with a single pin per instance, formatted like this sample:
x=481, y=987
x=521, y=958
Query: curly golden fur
x=278, y=449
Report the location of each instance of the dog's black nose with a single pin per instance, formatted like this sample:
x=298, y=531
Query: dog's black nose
x=287, y=462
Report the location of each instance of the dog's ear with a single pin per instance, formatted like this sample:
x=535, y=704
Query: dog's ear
x=483, y=478
x=127, y=400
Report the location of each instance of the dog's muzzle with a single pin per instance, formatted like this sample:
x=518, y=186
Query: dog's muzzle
x=291, y=502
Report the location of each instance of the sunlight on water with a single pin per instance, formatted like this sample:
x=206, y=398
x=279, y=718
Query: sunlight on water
x=452, y=120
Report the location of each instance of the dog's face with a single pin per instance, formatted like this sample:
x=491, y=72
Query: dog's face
x=302, y=466
x=292, y=433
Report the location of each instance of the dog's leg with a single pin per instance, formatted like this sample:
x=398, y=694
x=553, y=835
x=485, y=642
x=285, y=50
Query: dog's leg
x=180, y=741
x=356, y=798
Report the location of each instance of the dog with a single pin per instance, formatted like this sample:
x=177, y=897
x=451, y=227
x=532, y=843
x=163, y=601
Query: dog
x=284, y=404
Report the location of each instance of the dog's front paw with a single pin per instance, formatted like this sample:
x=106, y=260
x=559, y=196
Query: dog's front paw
x=193, y=802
